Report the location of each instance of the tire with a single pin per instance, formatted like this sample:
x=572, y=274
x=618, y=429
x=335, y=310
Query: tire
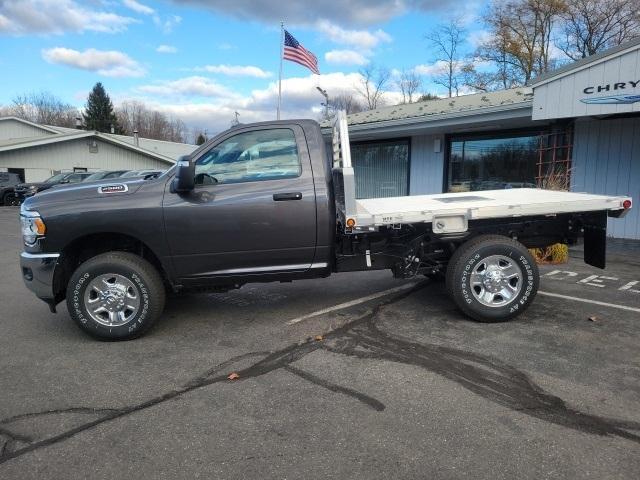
x=125, y=289
x=9, y=199
x=492, y=278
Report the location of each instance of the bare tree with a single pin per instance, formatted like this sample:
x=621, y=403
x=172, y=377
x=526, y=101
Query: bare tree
x=520, y=42
x=372, y=85
x=500, y=77
x=409, y=83
x=135, y=115
x=590, y=26
x=447, y=39
x=44, y=108
x=343, y=101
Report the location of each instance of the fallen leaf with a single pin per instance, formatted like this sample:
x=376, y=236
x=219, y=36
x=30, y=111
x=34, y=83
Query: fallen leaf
x=593, y=318
x=319, y=338
x=233, y=376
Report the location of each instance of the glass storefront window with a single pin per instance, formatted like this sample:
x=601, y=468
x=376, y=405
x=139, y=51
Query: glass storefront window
x=381, y=169
x=493, y=163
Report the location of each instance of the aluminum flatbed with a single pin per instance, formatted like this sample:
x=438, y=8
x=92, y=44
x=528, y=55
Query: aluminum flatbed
x=479, y=205
x=450, y=212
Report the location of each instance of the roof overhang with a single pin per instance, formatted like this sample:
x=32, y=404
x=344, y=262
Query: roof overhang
x=27, y=122
x=500, y=117
x=60, y=138
x=585, y=63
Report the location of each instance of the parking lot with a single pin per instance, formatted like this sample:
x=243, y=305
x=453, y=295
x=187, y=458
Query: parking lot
x=354, y=376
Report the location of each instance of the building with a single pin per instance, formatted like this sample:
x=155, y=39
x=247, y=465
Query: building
x=36, y=151
x=578, y=127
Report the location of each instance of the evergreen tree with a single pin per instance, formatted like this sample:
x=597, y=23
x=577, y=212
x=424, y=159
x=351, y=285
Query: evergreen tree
x=201, y=139
x=98, y=112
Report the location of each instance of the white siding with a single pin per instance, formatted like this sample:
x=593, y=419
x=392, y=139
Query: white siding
x=11, y=129
x=426, y=166
x=606, y=159
x=561, y=98
x=40, y=162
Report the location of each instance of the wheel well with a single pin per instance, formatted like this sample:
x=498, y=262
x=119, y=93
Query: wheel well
x=84, y=248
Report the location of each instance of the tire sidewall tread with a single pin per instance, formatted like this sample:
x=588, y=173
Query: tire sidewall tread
x=135, y=268
x=462, y=263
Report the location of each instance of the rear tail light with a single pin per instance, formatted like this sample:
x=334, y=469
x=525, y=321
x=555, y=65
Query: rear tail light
x=626, y=204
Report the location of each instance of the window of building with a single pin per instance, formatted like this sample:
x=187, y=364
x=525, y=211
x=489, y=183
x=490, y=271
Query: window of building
x=249, y=157
x=381, y=169
x=516, y=161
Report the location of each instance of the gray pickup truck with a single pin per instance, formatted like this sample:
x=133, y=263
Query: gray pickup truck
x=267, y=202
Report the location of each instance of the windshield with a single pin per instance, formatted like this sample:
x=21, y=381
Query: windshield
x=55, y=178
x=132, y=173
x=95, y=176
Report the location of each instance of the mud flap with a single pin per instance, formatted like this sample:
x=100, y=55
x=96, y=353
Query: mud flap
x=595, y=240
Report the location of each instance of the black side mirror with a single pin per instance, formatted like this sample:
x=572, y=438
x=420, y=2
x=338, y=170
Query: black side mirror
x=184, y=181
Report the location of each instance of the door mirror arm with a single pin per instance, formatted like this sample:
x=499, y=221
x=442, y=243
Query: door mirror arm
x=184, y=180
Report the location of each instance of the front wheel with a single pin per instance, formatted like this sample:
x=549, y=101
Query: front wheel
x=492, y=278
x=10, y=199
x=115, y=296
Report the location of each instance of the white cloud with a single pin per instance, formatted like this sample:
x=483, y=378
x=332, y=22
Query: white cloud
x=300, y=99
x=20, y=17
x=235, y=70
x=431, y=69
x=168, y=24
x=109, y=63
x=363, y=39
x=478, y=37
x=166, y=49
x=138, y=7
x=188, y=87
x=345, y=57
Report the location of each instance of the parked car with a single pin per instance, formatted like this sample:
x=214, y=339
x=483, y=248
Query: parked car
x=105, y=175
x=261, y=203
x=8, y=182
x=142, y=173
x=25, y=190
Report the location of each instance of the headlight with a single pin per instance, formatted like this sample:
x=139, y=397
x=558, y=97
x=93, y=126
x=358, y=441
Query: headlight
x=32, y=226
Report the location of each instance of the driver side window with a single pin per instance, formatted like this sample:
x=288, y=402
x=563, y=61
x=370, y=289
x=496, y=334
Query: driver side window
x=250, y=157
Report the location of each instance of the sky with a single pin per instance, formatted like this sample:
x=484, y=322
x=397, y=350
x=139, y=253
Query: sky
x=203, y=60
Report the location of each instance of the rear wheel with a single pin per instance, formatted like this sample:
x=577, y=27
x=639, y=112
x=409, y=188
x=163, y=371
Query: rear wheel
x=492, y=278
x=115, y=296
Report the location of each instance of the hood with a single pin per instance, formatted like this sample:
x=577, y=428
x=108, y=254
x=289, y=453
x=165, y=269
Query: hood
x=83, y=191
x=24, y=186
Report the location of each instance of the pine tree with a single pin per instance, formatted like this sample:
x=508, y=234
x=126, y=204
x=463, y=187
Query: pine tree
x=98, y=112
x=201, y=139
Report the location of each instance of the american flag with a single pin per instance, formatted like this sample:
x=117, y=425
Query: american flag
x=295, y=52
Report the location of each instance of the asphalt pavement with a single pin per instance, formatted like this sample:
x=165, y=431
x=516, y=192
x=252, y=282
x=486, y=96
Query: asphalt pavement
x=354, y=376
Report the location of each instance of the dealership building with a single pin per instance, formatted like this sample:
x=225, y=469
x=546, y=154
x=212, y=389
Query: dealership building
x=36, y=152
x=576, y=127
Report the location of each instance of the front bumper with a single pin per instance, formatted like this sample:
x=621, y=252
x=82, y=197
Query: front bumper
x=37, y=273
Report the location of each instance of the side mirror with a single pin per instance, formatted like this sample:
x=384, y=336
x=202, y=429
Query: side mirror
x=184, y=181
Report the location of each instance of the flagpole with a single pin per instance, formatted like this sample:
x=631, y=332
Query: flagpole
x=280, y=75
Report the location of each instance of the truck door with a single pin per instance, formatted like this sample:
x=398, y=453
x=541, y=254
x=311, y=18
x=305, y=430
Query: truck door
x=253, y=209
